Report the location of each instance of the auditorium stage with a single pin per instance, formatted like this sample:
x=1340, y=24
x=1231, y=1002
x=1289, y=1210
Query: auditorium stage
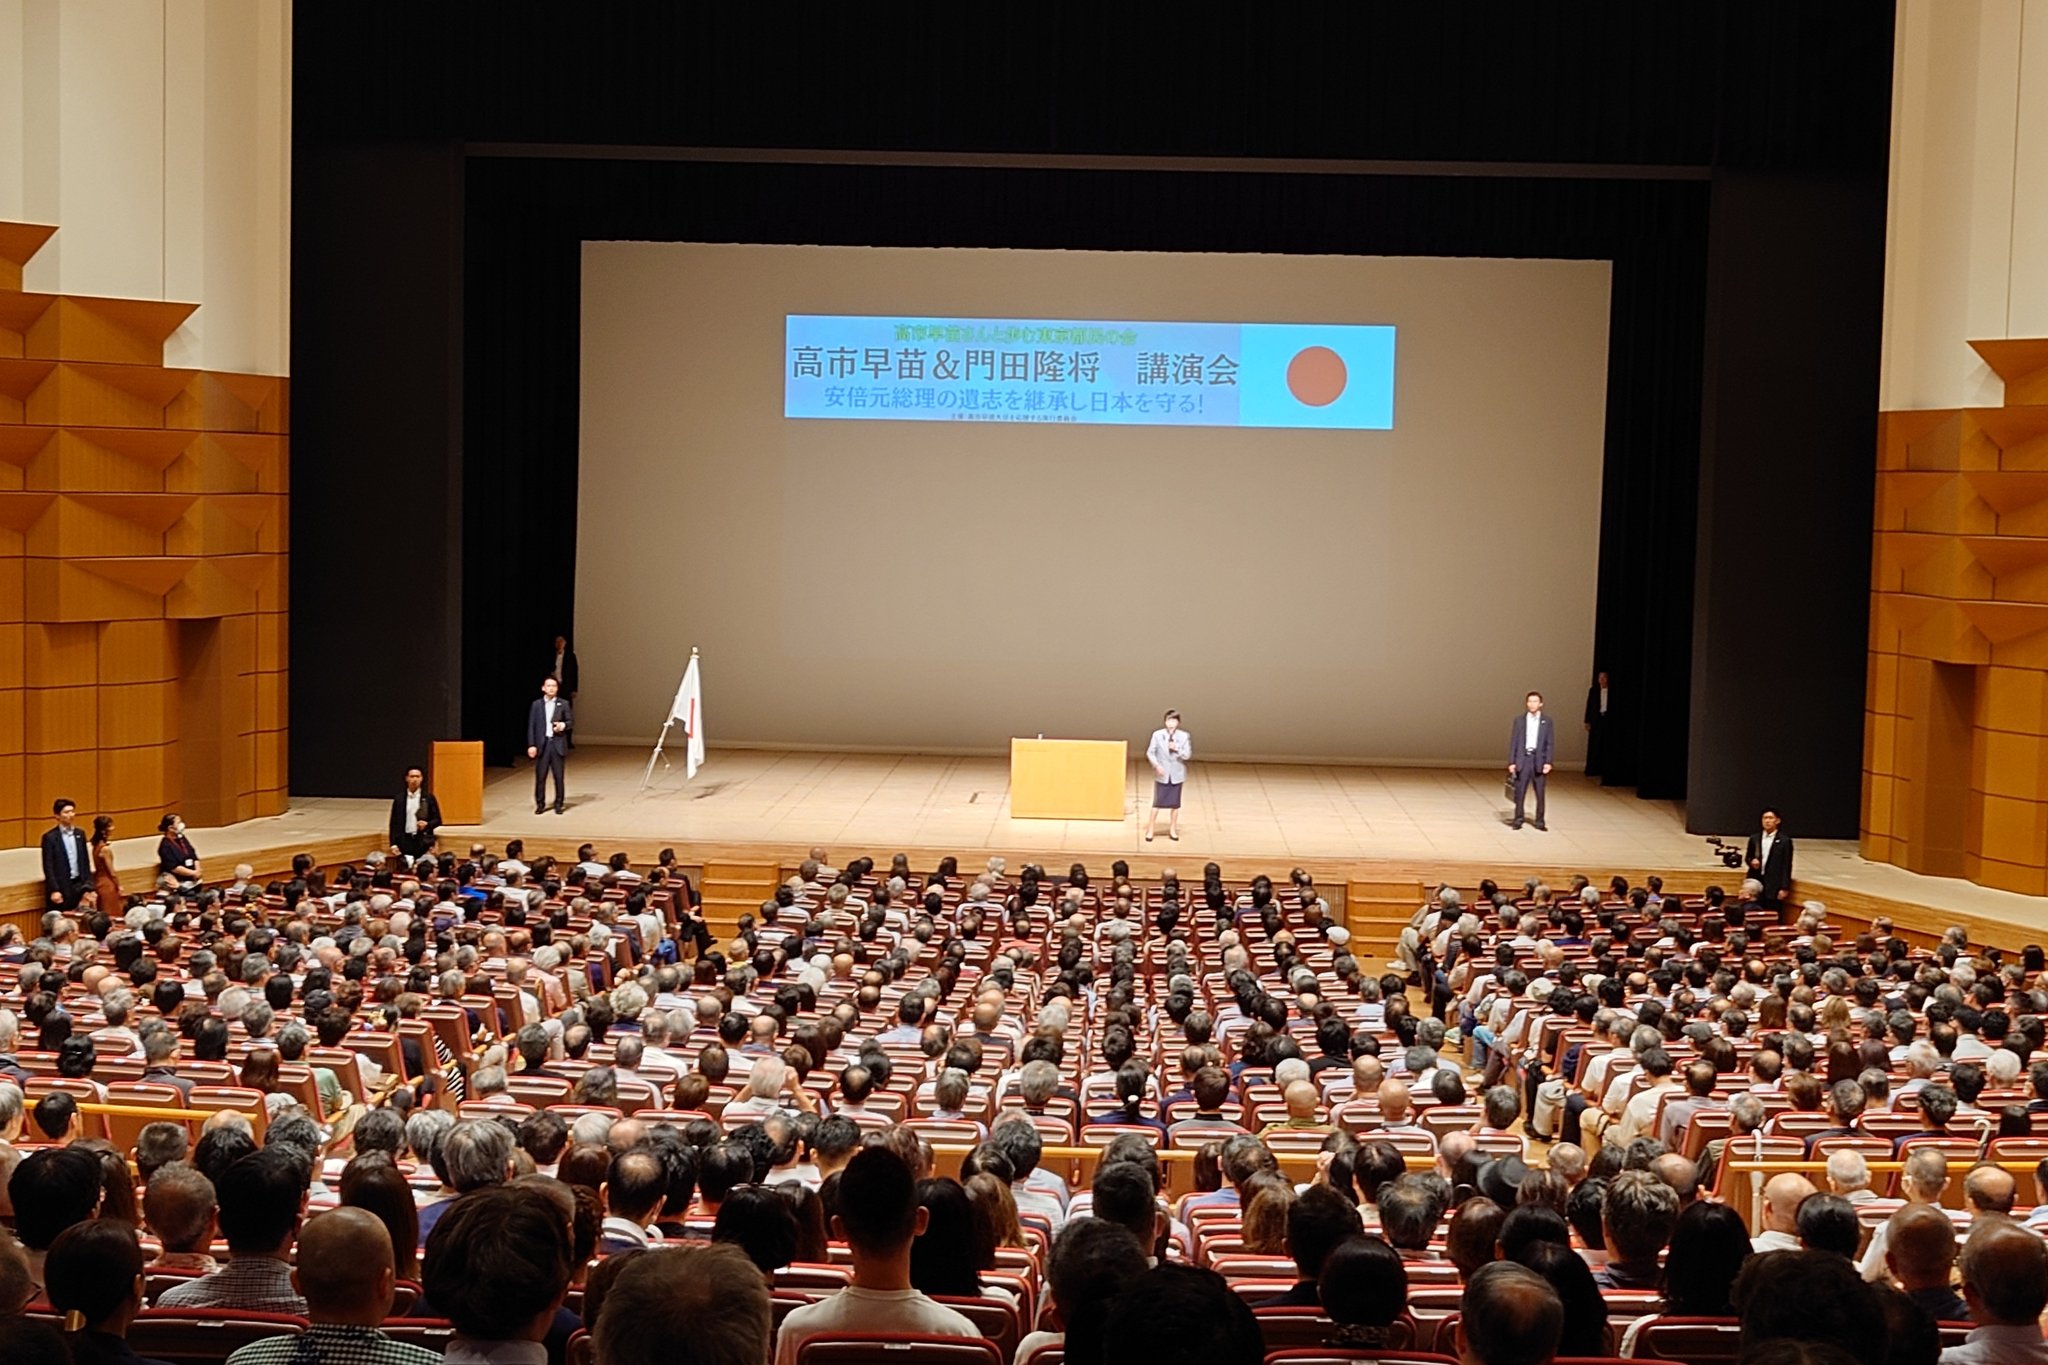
x=1346, y=823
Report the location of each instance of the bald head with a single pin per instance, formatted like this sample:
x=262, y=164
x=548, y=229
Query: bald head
x=2005, y=1275
x=1782, y=1197
x=1990, y=1189
x=1920, y=1246
x=1394, y=1101
x=344, y=1267
x=1301, y=1097
x=1681, y=1175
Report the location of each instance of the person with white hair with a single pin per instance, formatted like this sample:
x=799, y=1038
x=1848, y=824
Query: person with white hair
x=765, y=1085
x=591, y=1130
x=1922, y=1059
x=1849, y=1176
x=629, y=999
x=1290, y=1070
x=2002, y=1068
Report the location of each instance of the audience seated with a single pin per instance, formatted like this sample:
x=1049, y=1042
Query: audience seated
x=754, y=1092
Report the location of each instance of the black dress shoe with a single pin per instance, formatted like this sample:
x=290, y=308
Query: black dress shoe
x=1545, y=828
x=558, y=811
x=538, y=809
x=1514, y=824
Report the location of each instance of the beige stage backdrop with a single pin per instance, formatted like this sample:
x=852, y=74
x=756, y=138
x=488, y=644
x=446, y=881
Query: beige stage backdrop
x=1380, y=596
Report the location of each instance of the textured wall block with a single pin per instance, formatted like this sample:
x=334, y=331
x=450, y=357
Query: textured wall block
x=142, y=776
x=270, y=703
x=273, y=640
x=1881, y=685
x=210, y=591
x=61, y=655
x=2019, y=877
x=80, y=393
x=2015, y=831
x=138, y=651
x=2006, y=764
x=71, y=775
x=59, y=719
x=231, y=462
x=137, y=713
x=13, y=651
x=124, y=331
x=94, y=590
x=215, y=401
x=106, y=460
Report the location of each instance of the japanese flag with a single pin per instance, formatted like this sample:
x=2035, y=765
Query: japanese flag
x=689, y=709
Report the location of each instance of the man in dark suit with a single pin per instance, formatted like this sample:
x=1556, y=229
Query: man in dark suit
x=1532, y=744
x=1769, y=860
x=562, y=668
x=1597, y=702
x=67, y=862
x=415, y=816
x=547, y=742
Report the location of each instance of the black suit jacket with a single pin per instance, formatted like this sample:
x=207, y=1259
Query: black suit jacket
x=1593, y=716
x=537, y=724
x=430, y=811
x=1546, y=740
x=569, y=670
x=1776, y=874
x=57, y=878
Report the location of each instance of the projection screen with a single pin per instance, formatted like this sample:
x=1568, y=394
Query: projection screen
x=934, y=581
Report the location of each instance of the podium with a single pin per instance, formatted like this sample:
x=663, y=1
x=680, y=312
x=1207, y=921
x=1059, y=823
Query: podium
x=1068, y=779
x=457, y=780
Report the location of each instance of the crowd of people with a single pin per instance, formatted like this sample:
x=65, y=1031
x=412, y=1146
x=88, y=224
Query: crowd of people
x=546, y=1103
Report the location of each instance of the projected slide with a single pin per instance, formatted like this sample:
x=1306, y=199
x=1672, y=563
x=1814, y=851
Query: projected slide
x=1197, y=374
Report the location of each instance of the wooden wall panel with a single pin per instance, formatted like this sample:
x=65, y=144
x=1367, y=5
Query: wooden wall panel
x=143, y=538
x=1955, y=751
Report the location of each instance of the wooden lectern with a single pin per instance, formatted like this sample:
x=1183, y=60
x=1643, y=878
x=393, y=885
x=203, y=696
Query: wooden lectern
x=1068, y=779
x=457, y=780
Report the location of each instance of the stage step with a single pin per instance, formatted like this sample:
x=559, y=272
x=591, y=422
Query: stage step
x=1376, y=912
x=732, y=889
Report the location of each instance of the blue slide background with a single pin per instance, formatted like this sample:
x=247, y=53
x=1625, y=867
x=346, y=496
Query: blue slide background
x=1212, y=374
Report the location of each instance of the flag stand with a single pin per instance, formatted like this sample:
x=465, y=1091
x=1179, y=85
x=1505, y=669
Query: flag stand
x=661, y=739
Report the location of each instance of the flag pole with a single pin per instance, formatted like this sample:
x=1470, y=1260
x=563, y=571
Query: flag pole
x=662, y=739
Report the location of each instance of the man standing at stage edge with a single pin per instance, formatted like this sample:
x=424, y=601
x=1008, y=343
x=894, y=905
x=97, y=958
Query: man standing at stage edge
x=1532, y=744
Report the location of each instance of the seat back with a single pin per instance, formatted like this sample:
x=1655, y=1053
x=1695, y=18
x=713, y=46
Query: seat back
x=429, y=1334
x=1695, y=1341
x=1284, y=1328
x=1344, y=1355
x=206, y=1100
x=123, y=1130
x=203, y=1336
x=996, y=1319
x=866, y=1349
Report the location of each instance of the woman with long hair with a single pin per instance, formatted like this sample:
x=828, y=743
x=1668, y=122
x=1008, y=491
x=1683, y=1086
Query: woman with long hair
x=105, y=884
x=375, y=1185
x=949, y=1255
x=1585, y=1312
x=995, y=1205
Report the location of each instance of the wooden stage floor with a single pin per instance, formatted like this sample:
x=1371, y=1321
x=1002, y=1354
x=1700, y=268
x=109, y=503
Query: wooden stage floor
x=1343, y=822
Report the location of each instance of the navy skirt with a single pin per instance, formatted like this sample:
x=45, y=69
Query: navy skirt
x=1166, y=795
